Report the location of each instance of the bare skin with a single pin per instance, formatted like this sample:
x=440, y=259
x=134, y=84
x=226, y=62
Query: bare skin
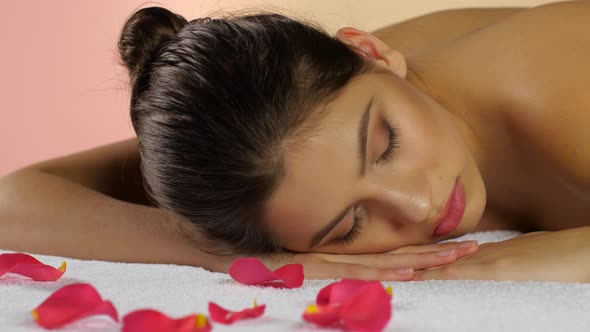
x=490, y=120
x=517, y=105
x=502, y=109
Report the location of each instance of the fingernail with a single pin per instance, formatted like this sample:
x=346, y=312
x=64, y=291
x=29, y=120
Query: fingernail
x=445, y=252
x=467, y=244
x=404, y=271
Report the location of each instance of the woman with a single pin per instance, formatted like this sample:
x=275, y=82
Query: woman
x=353, y=154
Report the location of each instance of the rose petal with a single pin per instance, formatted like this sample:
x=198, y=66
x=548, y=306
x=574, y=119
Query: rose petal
x=148, y=320
x=71, y=303
x=251, y=271
x=29, y=266
x=358, y=305
x=327, y=315
x=291, y=275
x=369, y=310
x=339, y=291
x=224, y=316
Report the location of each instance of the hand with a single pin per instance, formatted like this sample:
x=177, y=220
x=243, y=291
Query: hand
x=539, y=256
x=398, y=265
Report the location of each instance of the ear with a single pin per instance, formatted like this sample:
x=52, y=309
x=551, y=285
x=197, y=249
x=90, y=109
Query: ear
x=373, y=48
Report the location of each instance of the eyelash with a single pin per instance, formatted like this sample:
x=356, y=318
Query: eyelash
x=356, y=227
x=393, y=144
x=386, y=156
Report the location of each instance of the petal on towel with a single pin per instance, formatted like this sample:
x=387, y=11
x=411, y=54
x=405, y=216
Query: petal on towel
x=291, y=275
x=29, y=266
x=149, y=320
x=323, y=315
x=370, y=310
x=71, y=303
x=224, y=316
x=340, y=291
x=251, y=271
x=357, y=305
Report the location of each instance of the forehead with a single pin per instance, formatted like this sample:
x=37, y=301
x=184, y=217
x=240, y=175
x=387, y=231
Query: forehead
x=320, y=171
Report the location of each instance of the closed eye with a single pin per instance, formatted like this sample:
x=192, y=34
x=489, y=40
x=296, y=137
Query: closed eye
x=393, y=143
x=354, y=232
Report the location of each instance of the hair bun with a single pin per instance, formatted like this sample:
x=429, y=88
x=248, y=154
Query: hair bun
x=143, y=35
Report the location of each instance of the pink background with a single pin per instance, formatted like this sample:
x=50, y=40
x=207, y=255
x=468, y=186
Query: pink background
x=61, y=87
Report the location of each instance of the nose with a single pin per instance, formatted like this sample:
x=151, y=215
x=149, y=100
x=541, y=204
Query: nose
x=406, y=204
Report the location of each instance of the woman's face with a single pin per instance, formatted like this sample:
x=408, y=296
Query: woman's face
x=385, y=154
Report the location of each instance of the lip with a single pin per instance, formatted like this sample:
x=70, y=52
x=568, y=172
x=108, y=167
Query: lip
x=452, y=211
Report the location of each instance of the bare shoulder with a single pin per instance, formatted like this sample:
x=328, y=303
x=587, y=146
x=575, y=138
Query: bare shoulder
x=546, y=60
x=425, y=31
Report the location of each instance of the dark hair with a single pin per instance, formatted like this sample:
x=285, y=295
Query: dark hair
x=213, y=103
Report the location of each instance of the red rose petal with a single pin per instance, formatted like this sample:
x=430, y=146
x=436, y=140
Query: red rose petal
x=369, y=310
x=29, y=266
x=322, y=315
x=358, y=305
x=340, y=291
x=224, y=316
x=291, y=275
x=251, y=271
x=71, y=303
x=148, y=320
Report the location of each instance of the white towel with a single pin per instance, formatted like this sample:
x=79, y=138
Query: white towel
x=417, y=306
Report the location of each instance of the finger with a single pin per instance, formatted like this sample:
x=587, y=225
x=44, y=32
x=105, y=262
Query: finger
x=463, y=248
x=434, y=247
x=398, y=261
x=337, y=270
x=467, y=248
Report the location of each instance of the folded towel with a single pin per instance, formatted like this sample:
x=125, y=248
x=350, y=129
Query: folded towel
x=462, y=305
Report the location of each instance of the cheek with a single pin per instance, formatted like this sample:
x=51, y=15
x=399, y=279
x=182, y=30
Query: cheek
x=445, y=141
x=429, y=144
x=422, y=139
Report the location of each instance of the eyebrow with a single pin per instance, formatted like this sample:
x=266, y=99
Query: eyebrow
x=363, y=133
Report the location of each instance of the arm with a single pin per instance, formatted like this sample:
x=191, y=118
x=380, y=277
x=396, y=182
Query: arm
x=427, y=30
x=562, y=256
x=113, y=170
x=59, y=209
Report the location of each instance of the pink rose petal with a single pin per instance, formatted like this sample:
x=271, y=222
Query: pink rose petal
x=224, y=316
x=71, y=303
x=29, y=266
x=251, y=271
x=369, y=310
x=149, y=320
x=325, y=315
x=356, y=305
x=339, y=291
